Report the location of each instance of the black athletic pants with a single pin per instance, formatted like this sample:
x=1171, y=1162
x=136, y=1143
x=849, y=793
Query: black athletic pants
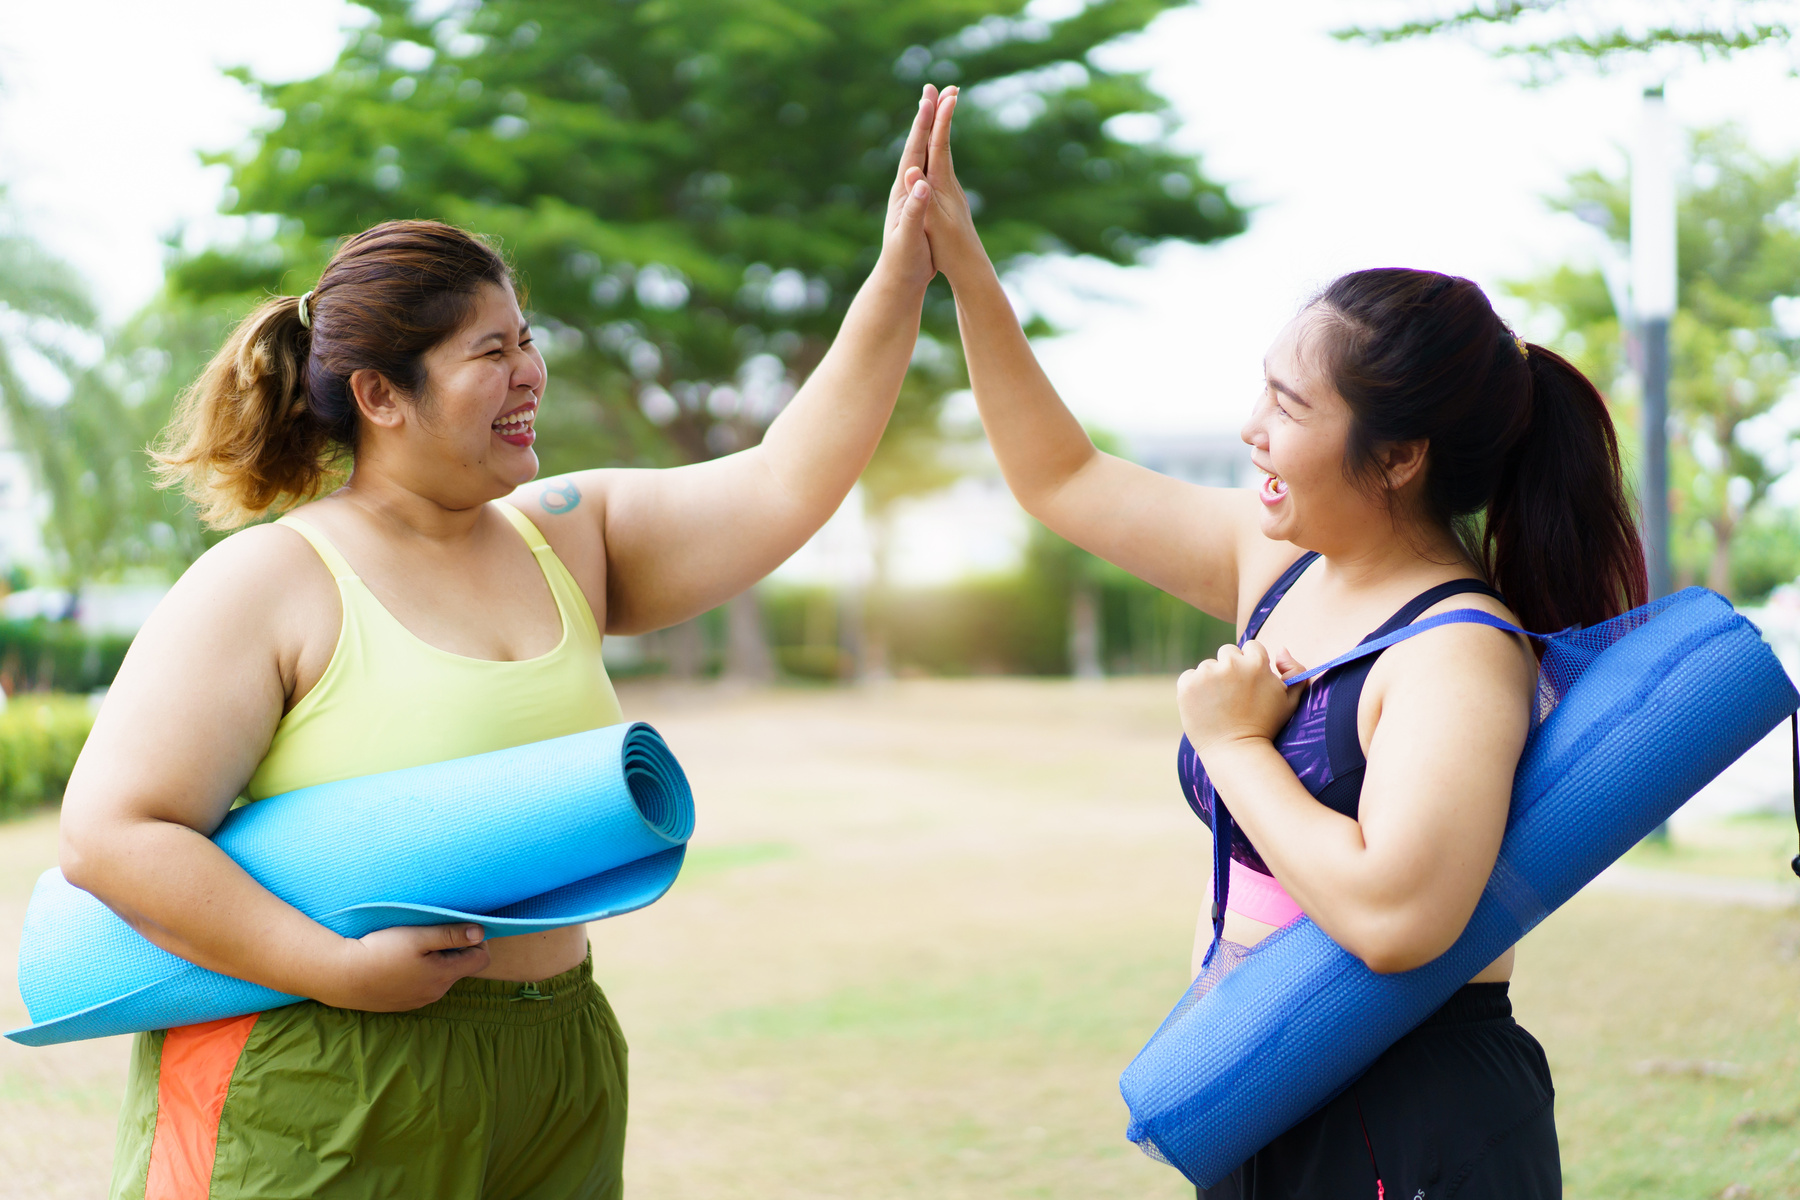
x=1458, y=1108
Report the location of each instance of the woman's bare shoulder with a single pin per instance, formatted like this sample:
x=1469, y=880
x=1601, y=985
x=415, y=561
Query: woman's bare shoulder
x=1464, y=654
x=261, y=585
x=570, y=511
x=263, y=560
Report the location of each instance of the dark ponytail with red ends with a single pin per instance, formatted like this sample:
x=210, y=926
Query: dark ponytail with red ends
x=1523, y=464
x=1559, y=541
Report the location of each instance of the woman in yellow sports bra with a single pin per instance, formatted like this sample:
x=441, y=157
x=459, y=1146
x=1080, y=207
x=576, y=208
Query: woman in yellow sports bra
x=439, y=604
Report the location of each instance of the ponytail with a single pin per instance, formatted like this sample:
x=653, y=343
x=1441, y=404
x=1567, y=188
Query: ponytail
x=1559, y=541
x=1523, y=462
x=273, y=417
x=243, y=438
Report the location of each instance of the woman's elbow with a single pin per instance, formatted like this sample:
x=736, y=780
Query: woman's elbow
x=83, y=841
x=75, y=858
x=1392, y=960
x=1399, y=943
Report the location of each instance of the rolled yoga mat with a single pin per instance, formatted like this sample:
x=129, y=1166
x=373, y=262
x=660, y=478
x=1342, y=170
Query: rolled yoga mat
x=520, y=840
x=1638, y=714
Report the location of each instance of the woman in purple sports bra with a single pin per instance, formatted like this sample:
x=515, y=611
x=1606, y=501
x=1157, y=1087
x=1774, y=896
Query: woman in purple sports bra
x=1418, y=457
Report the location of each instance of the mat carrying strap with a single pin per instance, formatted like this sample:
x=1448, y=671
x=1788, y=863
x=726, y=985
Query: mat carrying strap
x=1224, y=828
x=1794, y=725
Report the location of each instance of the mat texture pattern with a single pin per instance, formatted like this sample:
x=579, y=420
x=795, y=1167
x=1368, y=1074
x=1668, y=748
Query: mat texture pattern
x=530, y=838
x=1636, y=716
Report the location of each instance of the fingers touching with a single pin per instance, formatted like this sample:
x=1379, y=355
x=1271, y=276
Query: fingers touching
x=927, y=147
x=922, y=177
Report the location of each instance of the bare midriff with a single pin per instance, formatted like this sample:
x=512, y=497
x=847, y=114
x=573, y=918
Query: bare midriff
x=533, y=956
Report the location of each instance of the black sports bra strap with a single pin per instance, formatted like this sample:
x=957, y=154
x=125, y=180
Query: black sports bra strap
x=1260, y=614
x=1425, y=599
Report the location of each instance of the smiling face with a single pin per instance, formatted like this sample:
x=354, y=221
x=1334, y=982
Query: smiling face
x=468, y=436
x=1298, y=433
x=484, y=384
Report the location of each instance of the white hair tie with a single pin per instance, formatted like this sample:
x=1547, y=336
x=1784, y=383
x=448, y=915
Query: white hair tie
x=305, y=317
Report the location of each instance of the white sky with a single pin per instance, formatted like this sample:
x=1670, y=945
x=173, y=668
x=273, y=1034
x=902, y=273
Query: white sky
x=1428, y=154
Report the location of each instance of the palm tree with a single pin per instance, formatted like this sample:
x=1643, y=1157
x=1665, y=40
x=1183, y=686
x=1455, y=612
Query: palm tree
x=42, y=303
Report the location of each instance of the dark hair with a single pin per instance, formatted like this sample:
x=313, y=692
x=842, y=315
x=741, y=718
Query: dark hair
x=1523, y=463
x=273, y=412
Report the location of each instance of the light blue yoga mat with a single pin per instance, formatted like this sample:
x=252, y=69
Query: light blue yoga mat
x=1638, y=714
x=521, y=840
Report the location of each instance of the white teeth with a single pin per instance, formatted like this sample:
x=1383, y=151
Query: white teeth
x=518, y=423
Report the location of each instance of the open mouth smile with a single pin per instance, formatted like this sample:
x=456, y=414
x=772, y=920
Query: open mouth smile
x=1274, y=488
x=516, y=427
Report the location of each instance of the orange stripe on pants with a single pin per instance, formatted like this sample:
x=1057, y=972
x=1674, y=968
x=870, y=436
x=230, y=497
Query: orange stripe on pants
x=197, y=1064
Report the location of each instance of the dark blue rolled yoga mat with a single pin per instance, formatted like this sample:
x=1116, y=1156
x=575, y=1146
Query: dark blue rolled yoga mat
x=531, y=838
x=1637, y=714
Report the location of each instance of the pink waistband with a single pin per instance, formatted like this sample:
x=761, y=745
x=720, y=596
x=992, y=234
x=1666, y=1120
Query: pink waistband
x=1257, y=896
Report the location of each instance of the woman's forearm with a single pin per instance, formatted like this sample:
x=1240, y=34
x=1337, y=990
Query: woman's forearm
x=181, y=892
x=1037, y=440
x=680, y=541
x=819, y=445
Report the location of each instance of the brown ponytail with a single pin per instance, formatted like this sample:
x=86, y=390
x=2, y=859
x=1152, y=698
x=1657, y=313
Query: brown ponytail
x=273, y=418
x=242, y=440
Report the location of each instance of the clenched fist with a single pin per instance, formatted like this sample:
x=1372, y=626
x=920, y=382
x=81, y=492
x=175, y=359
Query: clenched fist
x=1237, y=696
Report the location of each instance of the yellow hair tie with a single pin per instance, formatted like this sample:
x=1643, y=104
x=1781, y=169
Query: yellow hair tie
x=1524, y=350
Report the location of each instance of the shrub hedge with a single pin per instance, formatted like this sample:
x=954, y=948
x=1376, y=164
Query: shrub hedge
x=41, y=655
x=1013, y=624
x=39, y=739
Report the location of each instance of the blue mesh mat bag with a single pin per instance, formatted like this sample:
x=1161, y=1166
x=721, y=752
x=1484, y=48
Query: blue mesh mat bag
x=1633, y=717
x=531, y=838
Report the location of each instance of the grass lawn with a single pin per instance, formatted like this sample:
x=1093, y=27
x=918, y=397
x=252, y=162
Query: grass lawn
x=1751, y=846
x=925, y=926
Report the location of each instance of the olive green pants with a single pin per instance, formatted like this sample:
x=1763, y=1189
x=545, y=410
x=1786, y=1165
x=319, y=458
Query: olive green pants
x=499, y=1091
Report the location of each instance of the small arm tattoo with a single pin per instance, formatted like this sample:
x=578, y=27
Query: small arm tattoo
x=560, y=497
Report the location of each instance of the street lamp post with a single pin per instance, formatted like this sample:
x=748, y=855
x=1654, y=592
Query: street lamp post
x=1653, y=305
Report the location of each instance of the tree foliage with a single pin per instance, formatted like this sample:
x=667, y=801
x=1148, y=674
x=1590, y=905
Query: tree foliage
x=693, y=189
x=1555, y=34
x=1733, y=357
x=107, y=518
x=42, y=303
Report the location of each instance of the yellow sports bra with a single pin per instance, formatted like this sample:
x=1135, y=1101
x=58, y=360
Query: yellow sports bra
x=388, y=700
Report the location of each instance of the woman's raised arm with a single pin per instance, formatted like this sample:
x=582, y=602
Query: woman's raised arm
x=1185, y=539
x=678, y=542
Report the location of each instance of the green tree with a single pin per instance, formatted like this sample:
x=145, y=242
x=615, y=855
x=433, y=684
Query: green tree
x=44, y=310
x=1732, y=359
x=1555, y=34
x=108, y=517
x=693, y=188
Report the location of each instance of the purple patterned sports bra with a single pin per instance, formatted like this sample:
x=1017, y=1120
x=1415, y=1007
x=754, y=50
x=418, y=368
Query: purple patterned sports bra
x=1320, y=740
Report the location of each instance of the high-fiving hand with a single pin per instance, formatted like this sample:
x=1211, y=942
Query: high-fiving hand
x=950, y=225
x=925, y=185
x=903, y=239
